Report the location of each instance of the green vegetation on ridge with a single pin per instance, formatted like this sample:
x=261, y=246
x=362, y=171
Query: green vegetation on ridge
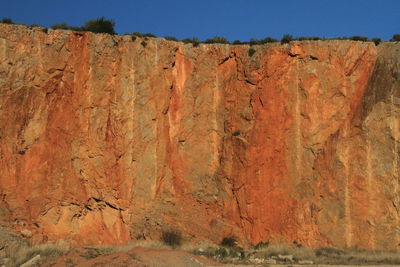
x=103, y=25
x=99, y=25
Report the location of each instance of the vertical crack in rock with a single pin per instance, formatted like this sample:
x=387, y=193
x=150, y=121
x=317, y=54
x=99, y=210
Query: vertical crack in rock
x=347, y=200
x=298, y=123
x=370, y=189
x=395, y=136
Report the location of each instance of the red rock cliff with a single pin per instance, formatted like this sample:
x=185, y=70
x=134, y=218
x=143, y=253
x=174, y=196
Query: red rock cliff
x=105, y=140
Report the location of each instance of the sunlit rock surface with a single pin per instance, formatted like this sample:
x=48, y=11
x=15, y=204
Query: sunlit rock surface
x=105, y=140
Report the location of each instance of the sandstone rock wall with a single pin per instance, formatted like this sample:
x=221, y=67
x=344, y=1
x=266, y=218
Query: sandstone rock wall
x=104, y=139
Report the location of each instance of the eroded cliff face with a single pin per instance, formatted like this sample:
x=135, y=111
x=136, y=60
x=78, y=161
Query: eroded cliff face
x=104, y=140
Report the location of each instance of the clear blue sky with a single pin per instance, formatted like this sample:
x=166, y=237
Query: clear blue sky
x=233, y=19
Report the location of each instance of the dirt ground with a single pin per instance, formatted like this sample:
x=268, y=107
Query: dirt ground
x=137, y=257
x=141, y=257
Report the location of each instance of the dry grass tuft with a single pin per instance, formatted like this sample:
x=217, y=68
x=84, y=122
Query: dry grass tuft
x=299, y=253
x=19, y=254
x=105, y=250
x=356, y=256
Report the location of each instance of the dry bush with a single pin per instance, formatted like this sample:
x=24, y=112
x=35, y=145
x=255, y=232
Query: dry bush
x=171, y=238
x=229, y=241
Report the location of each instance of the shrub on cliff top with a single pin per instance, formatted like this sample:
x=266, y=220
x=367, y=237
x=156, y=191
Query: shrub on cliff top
x=308, y=38
x=268, y=40
x=149, y=35
x=217, y=40
x=171, y=38
x=195, y=41
x=359, y=38
x=253, y=41
x=138, y=34
x=61, y=26
x=395, y=38
x=237, y=42
x=100, y=25
x=64, y=26
x=7, y=21
x=262, y=41
x=287, y=38
x=376, y=40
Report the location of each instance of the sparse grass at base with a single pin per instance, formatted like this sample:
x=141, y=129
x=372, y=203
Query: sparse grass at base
x=353, y=256
x=106, y=250
x=22, y=253
x=299, y=253
x=330, y=256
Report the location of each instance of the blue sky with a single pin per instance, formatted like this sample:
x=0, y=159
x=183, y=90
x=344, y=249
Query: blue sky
x=233, y=19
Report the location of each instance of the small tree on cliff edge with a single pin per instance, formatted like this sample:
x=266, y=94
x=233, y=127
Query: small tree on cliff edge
x=287, y=38
x=7, y=21
x=396, y=38
x=100, y=25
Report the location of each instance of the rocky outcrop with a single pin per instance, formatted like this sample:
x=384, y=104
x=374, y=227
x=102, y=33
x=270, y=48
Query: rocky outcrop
x=105, y=139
